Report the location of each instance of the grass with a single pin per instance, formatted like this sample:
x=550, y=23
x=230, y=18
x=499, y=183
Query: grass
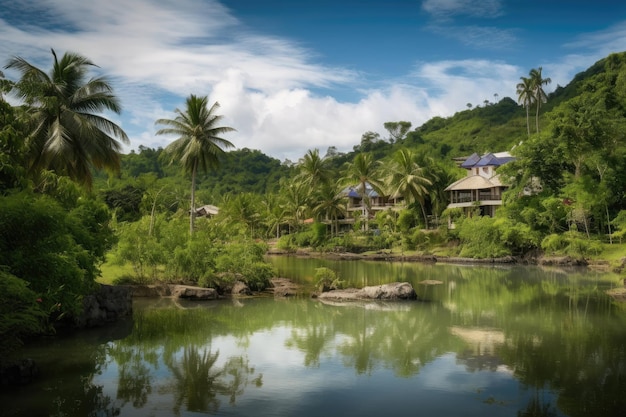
x=111, y=271
x=612, y=253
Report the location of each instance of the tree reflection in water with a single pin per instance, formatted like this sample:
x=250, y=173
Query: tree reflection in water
x=198, y=381
x=536, y=343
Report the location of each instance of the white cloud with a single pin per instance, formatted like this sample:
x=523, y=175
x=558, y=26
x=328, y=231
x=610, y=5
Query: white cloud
x=472, y=8
x=276, y=93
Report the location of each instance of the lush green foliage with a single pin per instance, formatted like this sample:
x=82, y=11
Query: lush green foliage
x=211, y=257
x=21, y=314
x=56, y=251
x=326, y=280
x=566, y=186
x=487, y=237
x=66, y=132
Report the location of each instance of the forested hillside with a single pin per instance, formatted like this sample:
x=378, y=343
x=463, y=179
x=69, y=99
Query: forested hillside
x=488, y=127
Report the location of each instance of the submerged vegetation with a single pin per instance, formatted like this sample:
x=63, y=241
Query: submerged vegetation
x=61, y=217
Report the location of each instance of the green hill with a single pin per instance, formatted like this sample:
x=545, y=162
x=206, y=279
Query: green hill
x=490, y=127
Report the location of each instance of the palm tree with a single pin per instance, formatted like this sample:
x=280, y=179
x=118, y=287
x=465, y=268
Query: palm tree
x=525, y=98
x=66, y=134
x=537, y=82
x=363, y=170
x=199, y=144
x=330, y=204
x=273, y=213
x=294, y=195
x=314, y=170
x=406, y=178
x=441, y=176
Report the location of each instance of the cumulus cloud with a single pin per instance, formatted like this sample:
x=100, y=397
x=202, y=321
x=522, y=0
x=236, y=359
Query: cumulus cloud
x=275, y=92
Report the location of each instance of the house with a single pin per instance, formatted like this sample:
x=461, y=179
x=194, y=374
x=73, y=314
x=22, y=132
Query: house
x=207, y=211
x=481, y=188
x=377, y=202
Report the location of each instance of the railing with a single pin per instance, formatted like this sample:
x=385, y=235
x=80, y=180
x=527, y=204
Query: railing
x=374, y=206
x=471, y=198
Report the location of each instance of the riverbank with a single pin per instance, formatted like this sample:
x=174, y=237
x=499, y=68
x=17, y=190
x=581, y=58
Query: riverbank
x=390, y=256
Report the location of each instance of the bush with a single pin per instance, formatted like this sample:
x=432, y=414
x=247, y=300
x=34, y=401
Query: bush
x=407, y=220
x=487, y=237
x=416, y=239
x=318, y=233
x=258, y=274
x=304, y=239
x=39, y=243
x=21, y=314
x=326, y=280
x=572, y=243
x=286, y=243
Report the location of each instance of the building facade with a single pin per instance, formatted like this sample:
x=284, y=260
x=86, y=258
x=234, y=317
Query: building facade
x=481, y=189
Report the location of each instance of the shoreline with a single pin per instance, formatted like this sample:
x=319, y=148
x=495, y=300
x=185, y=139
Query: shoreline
x=387, y=256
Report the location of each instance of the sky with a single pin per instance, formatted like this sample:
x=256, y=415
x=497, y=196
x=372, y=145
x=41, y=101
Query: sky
x=294, y=75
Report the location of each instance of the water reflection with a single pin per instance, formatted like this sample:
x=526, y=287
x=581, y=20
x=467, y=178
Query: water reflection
x=488, y=341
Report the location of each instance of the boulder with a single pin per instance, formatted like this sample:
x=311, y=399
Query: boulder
x=240, y=288
x=150, y=290
x=194, y=293
x=390, y=292
x=106, y=305
x=283, y=287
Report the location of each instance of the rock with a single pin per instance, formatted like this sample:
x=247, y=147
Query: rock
x=393, y=291
x=194, y=293
x=562, y=261
x=107, y=305
x=240, y=288
x=283, y=287
x=150, y=290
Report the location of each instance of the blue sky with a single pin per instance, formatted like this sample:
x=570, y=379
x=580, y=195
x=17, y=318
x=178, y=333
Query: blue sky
x=294, y=75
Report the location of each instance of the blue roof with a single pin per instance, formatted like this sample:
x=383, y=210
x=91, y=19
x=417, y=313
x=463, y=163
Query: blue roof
x=488, y=159
x=471, y=161
x=354, y=192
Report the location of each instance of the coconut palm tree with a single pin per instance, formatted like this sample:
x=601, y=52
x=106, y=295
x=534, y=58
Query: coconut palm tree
x=525, y=97
x=314, y=170
x=364, y=171
x=330, y=204
x=294, y=195
x=406, y=178
x=66, y=133
x=199, y=145
x=537, y=82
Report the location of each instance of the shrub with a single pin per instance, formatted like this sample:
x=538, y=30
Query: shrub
x=258, y=274
x=572, y=243
x=416, y=239
x=318, y=234
x=304, y=238
x=287, y=243
x=38, y=244
x=21, y=314
x=326, y=279
x=406, y=221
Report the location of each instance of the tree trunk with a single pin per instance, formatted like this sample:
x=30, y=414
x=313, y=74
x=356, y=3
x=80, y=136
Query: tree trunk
x=537, y=116
x=192, y=211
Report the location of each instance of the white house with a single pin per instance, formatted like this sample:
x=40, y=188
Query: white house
x=481, y=189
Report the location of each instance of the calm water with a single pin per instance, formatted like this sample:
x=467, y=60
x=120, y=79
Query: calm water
x=488, y=341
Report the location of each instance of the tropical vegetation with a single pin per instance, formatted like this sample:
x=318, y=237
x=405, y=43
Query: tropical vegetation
x=71, y=201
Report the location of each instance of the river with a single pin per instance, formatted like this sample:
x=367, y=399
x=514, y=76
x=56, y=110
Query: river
x=487, y=340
